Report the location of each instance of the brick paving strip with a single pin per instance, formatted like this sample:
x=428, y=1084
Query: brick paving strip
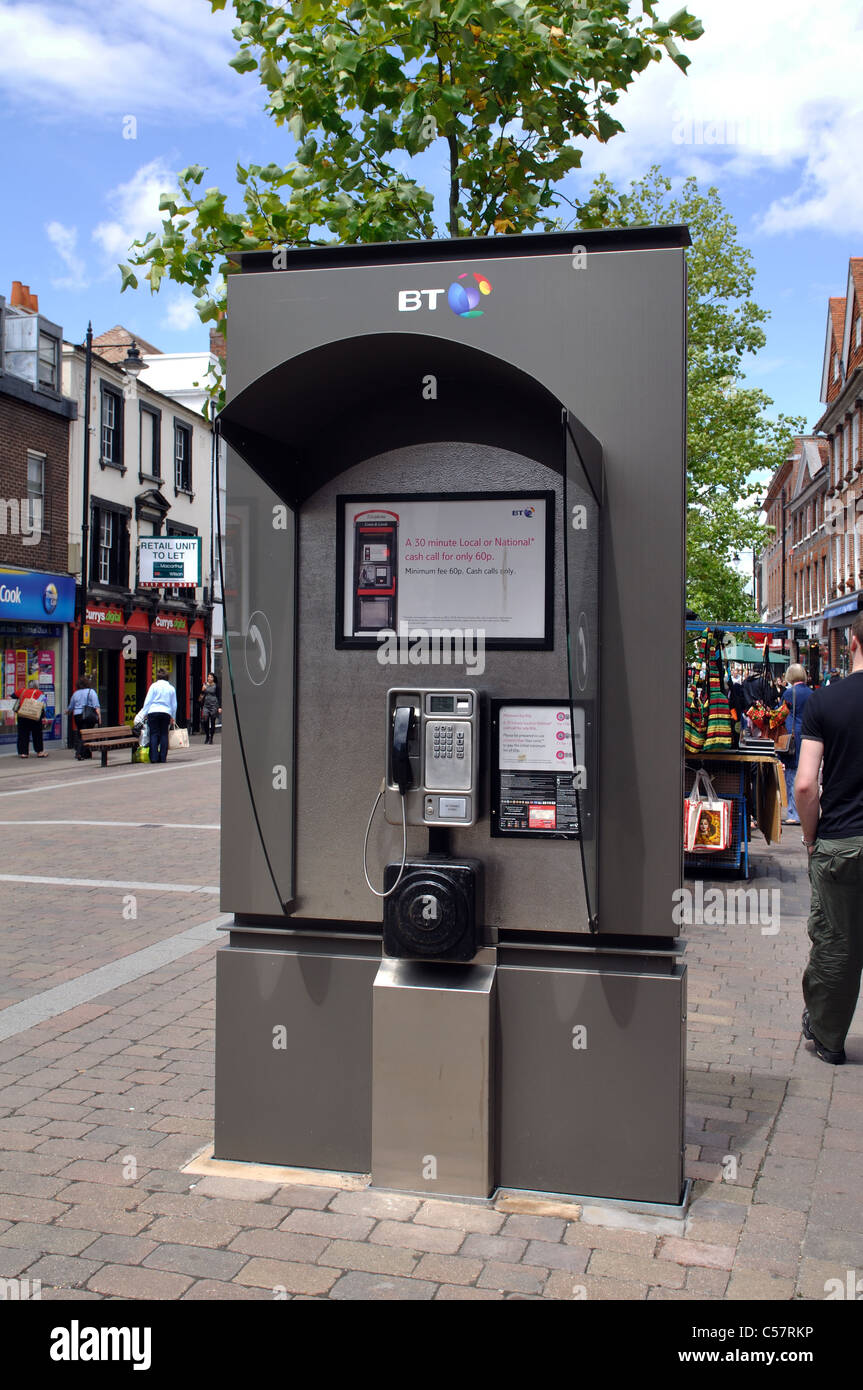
x=103, y=1104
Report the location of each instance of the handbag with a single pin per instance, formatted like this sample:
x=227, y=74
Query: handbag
x=694, y=722
x=88, y=716
x=31, y=709
x=178, y=738
x=706, y=818
x=720, y=725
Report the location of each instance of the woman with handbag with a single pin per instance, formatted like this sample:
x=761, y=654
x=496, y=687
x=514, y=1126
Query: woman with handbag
x=30, y=708
x=797, y=696
x=210, y=707
x=86, y=713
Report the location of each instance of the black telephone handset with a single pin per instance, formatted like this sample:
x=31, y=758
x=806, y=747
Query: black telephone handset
x=403, y=722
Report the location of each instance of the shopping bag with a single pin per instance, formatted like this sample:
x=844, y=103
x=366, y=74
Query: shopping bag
x=178, y=738
x=694, y=722
x=706, y=818
x=141, y=754
x=31, y=709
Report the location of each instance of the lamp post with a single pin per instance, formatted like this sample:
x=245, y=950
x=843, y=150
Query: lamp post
x=85, y=505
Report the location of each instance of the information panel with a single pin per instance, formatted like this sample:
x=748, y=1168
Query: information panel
x=536, y=773
x=479, y=564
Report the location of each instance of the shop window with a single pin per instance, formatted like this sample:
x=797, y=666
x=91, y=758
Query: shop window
x=182, y=458
x=112, y=428
x=36, y=519
x=150, y=465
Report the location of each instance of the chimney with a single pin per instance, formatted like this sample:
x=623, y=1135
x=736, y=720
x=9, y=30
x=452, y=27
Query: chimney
x=34, y=303
x=19, y=296
x=217, y=343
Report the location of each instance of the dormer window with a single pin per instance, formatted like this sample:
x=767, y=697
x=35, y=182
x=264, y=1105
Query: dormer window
x=835, y=368
x=49, y=361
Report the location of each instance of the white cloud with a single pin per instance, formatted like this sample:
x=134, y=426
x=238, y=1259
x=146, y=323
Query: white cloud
x=180, y=313
x=135, y=208
x=774, y=87
x=65, y=243
x=156, y=58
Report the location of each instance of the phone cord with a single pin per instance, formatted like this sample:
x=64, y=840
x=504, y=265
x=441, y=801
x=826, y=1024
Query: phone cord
x=376, y=892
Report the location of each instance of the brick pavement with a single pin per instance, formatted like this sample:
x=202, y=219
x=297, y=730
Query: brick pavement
x=101, y=1106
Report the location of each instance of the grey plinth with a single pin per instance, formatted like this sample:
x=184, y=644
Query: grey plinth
x=432, y=1082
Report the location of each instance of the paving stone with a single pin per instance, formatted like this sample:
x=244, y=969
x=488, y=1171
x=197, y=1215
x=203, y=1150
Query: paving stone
x=49, y=1240
x=432, y=1238
x=813, y=1278
x=635, y=1269
x=381, y=1205
x=610, y=1238
x=291, y=1276
x=693, y=1252
x=552, y=1255
x=381, y=1288
x=279, y=1245
x=196, y=1261
x=107, y=1221
x=448, y=1269
x=13, y=1261
x=372, y=1259
x=305, y=1195
x=460, y=1216
x=751, y=1284
x=63, y=1271
x=181, y=1230
x=510, y=1278
x=600, y=1289
x=707, y=1283
x=565, y=1285
x=26, y=1208
x=505, y=1248
x=120, y=1249
x=138, y=1282
x=545, y=1228
x=336, y=1225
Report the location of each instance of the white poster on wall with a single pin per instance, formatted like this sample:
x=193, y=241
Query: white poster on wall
x=171, y=560
x=538, y=738
x=466, y=562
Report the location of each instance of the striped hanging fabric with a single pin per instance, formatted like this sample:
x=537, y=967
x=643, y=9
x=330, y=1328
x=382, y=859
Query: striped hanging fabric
x=720, y=724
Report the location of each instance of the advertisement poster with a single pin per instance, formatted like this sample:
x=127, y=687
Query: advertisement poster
x=468, y=562
x=536, y=774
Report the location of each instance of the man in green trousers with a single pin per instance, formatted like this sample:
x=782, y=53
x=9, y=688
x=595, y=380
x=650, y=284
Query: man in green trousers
x=832, y=736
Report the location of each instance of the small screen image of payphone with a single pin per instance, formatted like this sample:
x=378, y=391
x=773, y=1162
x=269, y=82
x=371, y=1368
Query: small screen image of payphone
x=374, y=589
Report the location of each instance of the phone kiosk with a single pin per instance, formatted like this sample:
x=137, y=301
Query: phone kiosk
x=455, y=508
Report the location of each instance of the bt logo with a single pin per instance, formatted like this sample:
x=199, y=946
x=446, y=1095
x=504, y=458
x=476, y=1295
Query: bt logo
x=463, y=299
x=525, y=511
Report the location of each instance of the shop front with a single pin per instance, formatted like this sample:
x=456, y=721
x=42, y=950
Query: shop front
x=35, y=611
x=838, y=618
x=123, y=656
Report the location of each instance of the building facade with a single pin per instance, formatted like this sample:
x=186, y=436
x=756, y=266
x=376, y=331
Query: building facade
x=809, y=576
x=149, y=475
x=37, y=594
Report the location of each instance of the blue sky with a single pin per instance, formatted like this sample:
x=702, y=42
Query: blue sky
x=775, y=87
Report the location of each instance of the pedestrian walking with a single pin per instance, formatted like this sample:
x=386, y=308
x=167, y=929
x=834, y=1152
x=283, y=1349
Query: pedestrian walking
x=160, y=711
x=797, y=696
x=85, y=712
x=210, y=707
x=832, y=742
x=30, y=708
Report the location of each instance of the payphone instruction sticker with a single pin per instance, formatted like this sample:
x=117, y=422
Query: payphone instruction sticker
x=479, y=564
x=536, y=780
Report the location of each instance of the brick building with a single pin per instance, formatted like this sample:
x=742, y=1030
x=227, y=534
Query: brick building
x=815, y=501
x=37, y=595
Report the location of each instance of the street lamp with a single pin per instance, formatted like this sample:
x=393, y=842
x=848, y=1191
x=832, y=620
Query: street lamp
x=133, y=363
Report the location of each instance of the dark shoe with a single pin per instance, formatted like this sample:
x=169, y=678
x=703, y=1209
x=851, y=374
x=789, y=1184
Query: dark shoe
x=835, y=1059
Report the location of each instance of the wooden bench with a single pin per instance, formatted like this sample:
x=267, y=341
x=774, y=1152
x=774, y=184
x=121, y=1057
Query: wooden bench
x=101, y=740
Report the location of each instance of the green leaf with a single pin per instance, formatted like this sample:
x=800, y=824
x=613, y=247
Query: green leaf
x=129, y=280
x=242, y=61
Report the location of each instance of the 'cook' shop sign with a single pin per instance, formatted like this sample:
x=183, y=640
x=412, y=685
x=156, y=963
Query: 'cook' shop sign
x=174, y=560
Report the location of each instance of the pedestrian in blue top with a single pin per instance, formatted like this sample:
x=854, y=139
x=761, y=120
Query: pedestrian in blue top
x=797, y=696
x=86, y=714
x=160, y=710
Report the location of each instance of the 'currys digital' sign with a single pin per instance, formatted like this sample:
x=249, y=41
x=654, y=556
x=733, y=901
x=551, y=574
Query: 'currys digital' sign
x=28, y=596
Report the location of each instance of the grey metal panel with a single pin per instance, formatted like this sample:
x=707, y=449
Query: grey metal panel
x=341, y=726
x=606, y=1119
x=308, y=1105
x=608, y=340
x=432, y=1069
x=259, y=579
